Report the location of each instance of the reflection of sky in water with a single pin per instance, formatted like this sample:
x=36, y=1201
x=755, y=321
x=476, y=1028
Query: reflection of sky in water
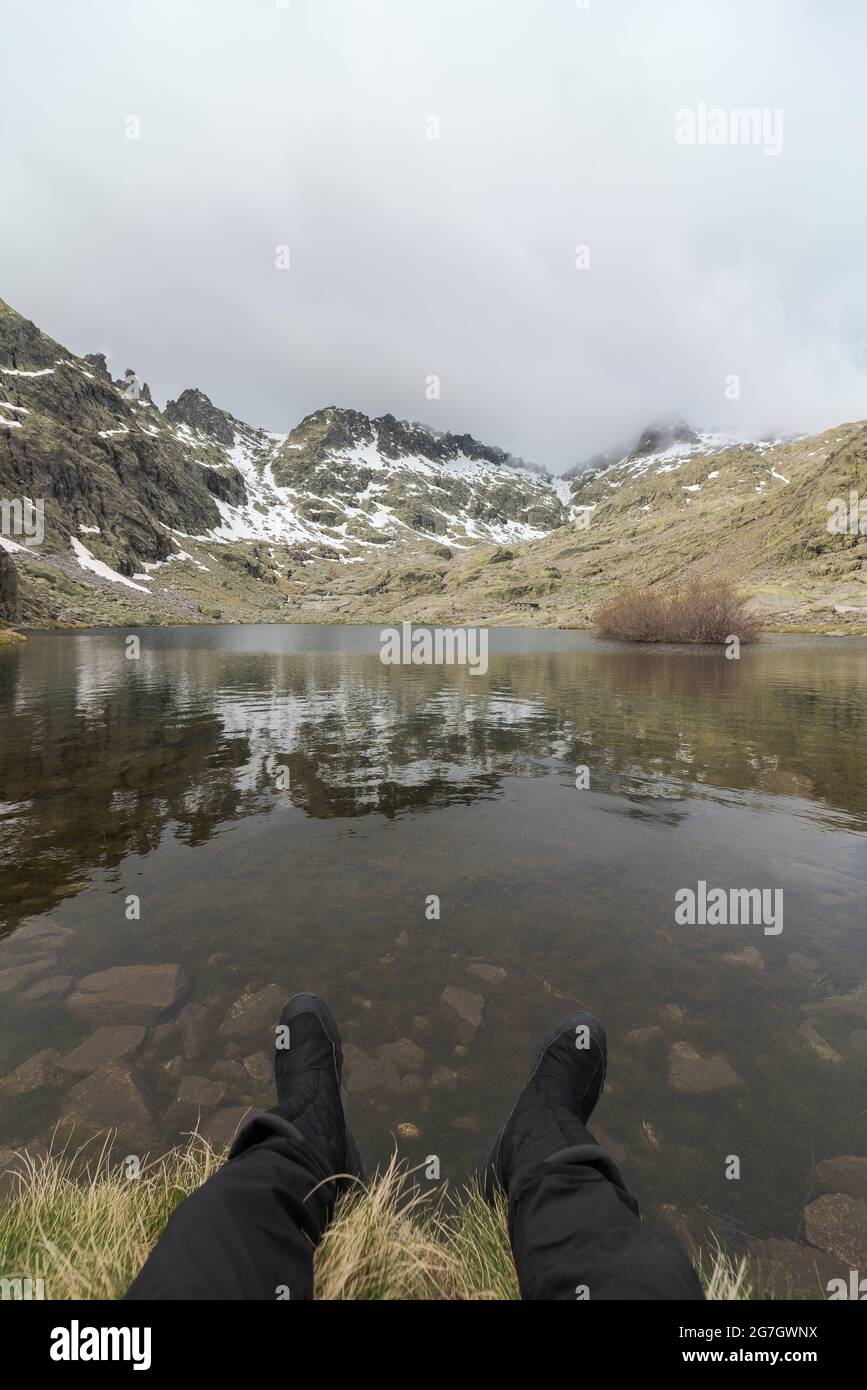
x=158, y=776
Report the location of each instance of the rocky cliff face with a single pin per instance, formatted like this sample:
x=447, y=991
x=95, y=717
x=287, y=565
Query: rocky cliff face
x=125, y=485
x=8, y=588
x=97, y=456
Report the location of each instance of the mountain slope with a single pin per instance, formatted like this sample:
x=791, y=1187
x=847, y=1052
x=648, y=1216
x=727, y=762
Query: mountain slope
x=130, y=491
x=190, y=515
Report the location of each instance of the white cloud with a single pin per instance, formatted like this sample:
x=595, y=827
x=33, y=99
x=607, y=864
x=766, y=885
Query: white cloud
x=306, y=127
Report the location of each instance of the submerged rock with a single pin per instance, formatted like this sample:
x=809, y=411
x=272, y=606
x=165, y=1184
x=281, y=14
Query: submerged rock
x=847, y=1173
x=44, y=935
x=197, y=1096
x=192, y=1027
x=231, y=1071
x=784, y=1269
x=491, y=974
x=746, y=955
x=223, y=1125
x=111, y=1099
x=39, y=1070
x=689, y=1071
x=803, y=966
x=17, y=975
x=464, y=1010
x=407, y=1130
x=811, y=1035
x=260, y=1070
x=641, y=1037
x=403, y=1054
x=612, y=1146
x=851, y=1008
x=105, y=1045
x=54, y=987
x=837, y=1224
x=255, y=1015
x=444, y=1079
x=129, y=993
x=363, y=1072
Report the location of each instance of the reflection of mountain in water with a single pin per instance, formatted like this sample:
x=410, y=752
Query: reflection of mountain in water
x=100, y=755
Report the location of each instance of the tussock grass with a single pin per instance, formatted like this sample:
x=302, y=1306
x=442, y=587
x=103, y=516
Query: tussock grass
x=700, y=610
x=390, y=1240
x=724, y=1280
x=75, y=1220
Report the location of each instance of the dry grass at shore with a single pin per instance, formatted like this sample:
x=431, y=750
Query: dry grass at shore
x=86, y=1233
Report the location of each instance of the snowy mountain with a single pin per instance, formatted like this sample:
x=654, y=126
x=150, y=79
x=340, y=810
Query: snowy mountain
x=344, y=481
x=126, y=486
x=189, y=514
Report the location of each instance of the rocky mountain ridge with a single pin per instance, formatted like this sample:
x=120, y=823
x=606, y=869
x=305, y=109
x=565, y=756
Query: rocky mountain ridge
x=189, y=514
x=126, y=486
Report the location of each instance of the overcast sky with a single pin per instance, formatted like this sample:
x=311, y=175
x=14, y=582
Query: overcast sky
x=305, y=124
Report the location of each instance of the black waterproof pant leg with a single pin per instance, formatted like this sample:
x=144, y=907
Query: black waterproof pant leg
x=249, y=1232
x=576, y=1233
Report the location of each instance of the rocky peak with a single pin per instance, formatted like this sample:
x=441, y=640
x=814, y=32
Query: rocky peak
x=662, y=435
x=96, y=360
x=133, y=387
x=336, y=430
x=23, y=345
x=333, y=429
x=654, y=438
x=194, y=409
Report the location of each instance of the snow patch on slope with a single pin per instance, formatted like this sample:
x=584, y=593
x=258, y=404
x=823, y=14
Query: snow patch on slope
x=90, y=562
x=276, y=513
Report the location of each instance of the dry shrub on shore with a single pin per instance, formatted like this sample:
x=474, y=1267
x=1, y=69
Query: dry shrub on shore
x=700, y=610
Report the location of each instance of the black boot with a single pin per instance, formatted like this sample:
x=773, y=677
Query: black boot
x=552, y=1110
x=574, y=1226
x=308, y=1064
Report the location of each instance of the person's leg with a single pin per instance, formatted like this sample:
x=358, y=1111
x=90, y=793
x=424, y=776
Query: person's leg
x=250, y=1231
x=575, y=1227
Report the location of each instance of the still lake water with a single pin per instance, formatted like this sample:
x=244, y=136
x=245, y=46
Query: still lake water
x=158, y=777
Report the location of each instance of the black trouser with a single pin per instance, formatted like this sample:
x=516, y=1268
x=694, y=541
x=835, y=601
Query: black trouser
x=250, y=1231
